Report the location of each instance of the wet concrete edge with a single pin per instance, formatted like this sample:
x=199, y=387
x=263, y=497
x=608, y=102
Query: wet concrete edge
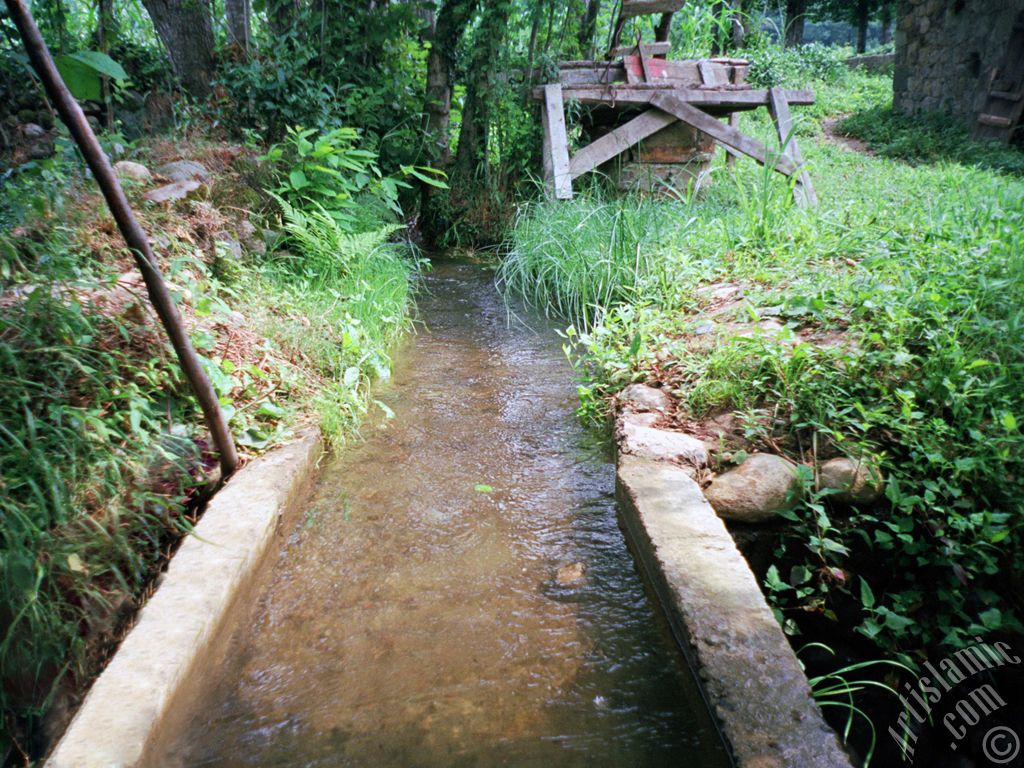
x=137, y=700
x=745, y=667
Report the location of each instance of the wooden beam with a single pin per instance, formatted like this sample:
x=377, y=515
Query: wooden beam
x=723, y=134
x=556, y=143
x=642, y=93
x=631, y=8
x=803, y=191
x=618, y=141
x=650, y=49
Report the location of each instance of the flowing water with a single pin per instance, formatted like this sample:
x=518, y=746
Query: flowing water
x=415, y=616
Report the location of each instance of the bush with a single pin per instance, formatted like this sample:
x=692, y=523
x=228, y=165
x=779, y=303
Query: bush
x=795, y=67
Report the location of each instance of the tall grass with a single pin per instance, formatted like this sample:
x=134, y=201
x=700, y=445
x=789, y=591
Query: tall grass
x=95, y=465
x=575, y=259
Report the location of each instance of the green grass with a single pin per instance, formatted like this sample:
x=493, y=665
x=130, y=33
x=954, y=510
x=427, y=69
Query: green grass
x=339, y=302
x=928, y=138
x=921, y=270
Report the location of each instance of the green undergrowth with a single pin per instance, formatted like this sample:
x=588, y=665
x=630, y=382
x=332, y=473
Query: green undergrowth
x=902, y=343
x=928, y=138
x=101, y=445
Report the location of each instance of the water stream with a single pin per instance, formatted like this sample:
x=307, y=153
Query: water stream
x=415, y=616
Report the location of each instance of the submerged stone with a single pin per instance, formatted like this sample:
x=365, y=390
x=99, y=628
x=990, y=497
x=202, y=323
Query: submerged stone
x=572, y=573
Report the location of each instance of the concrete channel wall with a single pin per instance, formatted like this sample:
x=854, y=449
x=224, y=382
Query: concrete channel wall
x=746, y=669
x=165, y=657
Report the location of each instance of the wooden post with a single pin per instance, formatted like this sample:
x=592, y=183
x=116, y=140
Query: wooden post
x=803, y=191
x=134, y=236
x=556, y=143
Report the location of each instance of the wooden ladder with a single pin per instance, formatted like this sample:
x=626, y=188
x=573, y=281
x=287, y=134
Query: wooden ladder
x=1004, y=102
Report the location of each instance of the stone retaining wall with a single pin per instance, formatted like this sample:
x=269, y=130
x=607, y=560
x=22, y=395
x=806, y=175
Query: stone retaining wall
x=946, y=51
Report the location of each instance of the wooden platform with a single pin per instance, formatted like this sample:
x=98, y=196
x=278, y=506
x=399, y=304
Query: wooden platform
x=696, y=93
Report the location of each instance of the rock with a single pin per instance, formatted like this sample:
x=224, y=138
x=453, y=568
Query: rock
x=755, y=491
x=246, y=232
x=40, y=150
x=228, y=247
x=184, y=170
x=572, y=573
x=179, y=190
x=856, y=482
x=640, y=397
x=639, y=438
x=33, y=131
x=720, y=291
x=126, y=169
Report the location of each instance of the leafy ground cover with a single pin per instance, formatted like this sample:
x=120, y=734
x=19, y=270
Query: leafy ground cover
x=103, y=454
x=885, y=325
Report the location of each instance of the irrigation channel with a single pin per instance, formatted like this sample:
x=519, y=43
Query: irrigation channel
x=415, y=615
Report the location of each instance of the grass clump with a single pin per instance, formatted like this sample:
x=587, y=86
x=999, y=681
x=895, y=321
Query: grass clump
x=574, y=259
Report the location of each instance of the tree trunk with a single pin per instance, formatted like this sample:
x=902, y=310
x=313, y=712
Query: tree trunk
x=281, y=17
x=588, y=27
x=186, y=29
x=863, y=16
x=444, y=39
x=739, y=25
x=664, y=28
x=733, y=37
x=796, y=14
x=471, y=157
x=239, y=13
x=885, y=19
x=104, y=29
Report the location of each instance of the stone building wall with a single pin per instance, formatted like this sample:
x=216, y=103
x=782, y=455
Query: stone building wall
x=946, y=51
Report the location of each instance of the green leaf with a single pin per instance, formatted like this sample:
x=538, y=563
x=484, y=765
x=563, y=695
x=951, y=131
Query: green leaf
x=867, y=597
x=271, y=409
x=83, y=73
x=298, y=179
x=1009, y=422
x=991, y=619
x=481, y=488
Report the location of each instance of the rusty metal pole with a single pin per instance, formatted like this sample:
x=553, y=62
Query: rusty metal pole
x=72, y=115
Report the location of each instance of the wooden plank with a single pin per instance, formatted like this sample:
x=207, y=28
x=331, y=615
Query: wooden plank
x=995, y=120
x=558, y=142
x=712, y=73
x=747, y=98
x=650, y=49
x=599, y=75
x=732, y=154
x=740, y=68
x=644, y=70
x=723, y=134
x=618, y=141
x=631, y=8
x=803, y=191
